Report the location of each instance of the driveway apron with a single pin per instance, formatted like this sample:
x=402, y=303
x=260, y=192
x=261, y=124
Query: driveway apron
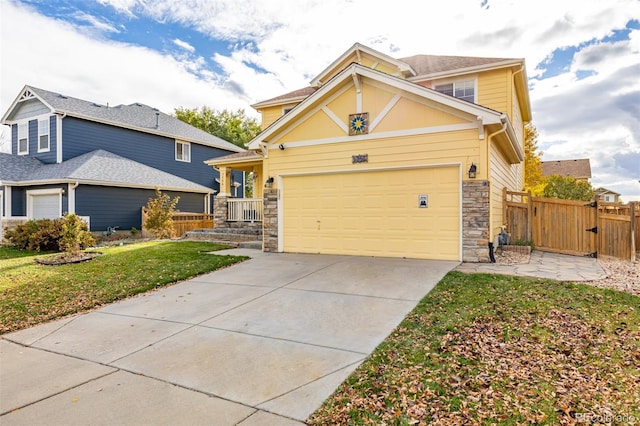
x=265, y=341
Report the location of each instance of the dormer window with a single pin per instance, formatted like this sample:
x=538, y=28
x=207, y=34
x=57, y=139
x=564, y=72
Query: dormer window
x=462, y=89
x=23, y=138
x=183, y=151
x=43, y=135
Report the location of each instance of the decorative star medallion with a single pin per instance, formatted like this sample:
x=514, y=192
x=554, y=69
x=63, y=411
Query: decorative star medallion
x=359, y=123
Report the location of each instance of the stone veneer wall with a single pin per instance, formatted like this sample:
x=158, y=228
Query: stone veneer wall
x=475, y=221
x=270, y=220
x=220, y=212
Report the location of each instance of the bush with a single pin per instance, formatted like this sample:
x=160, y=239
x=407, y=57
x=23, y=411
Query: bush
x=75, y=235
x=64, y=234
x=160, y=210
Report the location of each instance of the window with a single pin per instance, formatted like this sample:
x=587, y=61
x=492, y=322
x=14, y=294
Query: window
x=43, y=135
x=460, y=89
x=23, y=138
x=183, y=151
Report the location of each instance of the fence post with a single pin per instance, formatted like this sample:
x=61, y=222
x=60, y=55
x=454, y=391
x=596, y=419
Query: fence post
x=632, y=212
x=529, y=217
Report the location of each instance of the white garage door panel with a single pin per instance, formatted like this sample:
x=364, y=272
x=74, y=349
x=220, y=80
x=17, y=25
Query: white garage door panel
x=374, y=213
x=46, y=206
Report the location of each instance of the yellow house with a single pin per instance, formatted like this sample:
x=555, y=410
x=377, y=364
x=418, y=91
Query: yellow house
x=388, y=157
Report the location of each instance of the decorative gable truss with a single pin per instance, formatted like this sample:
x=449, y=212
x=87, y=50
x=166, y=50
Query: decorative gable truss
x=394, y=108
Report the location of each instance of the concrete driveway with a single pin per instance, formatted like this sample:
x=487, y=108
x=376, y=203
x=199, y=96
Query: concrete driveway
x=265, y=341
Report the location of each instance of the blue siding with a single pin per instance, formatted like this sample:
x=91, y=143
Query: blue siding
x=81, y=136
x=110, y=206
x=18, y=201
x=14, y=139
x=45, y=157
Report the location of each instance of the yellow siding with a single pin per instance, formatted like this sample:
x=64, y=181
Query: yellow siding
x=269, y=115
x=494, y=89
x=317, y=126
x=503, y=175
x=374, y=213
x=432, y=149
x=407, y=114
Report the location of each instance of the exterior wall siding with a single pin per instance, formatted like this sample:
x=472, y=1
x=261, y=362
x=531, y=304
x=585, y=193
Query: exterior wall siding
x=81, y=136
x=493, y=90
x=503, y=175
x=110, y=206
x=45, y=157
x=269, y=115
x=30, y=108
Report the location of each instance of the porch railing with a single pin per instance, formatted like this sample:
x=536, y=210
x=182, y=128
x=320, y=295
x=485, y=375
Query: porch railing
x=244, y=210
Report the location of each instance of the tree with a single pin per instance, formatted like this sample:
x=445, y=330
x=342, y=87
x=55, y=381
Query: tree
x=533, y=179
x=568, y=188
x=235, y=127
x=160, y=212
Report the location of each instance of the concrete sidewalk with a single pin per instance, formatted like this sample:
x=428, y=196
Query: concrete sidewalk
x=261, y=342
x=541, y=264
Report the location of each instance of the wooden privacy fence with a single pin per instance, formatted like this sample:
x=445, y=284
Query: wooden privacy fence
x=573, y=227
x=184, y=222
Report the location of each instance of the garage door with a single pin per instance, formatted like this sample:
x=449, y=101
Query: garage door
x=45, y=206
x=374, y=213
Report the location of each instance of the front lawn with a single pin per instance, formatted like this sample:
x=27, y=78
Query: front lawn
x=490, y=349
x=31, y=294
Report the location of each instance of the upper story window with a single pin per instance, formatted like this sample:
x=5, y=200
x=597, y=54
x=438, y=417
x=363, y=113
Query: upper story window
x=23, y=138
x=43, y=135
x=183, y=151
x=463, y=89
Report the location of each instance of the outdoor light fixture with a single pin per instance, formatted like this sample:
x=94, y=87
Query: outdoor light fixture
x=269, y=182
x=472, y=171
x=281, y=146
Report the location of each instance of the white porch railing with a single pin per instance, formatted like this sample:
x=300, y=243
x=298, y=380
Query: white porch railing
x=244, y=210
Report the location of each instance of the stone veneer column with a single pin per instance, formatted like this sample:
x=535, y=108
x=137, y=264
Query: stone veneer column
x=220, y=212
x=475, y=221
x=270, y=220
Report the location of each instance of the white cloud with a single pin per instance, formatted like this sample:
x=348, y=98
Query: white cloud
x=184, y=45
x=280, y=46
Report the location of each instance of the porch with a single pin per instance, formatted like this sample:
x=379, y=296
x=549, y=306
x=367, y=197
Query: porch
x=237, y=220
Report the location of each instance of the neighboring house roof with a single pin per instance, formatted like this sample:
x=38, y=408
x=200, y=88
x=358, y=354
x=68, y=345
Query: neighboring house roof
x=97, y=167
x=578, y=169
x=604, y=191
x=135, y=116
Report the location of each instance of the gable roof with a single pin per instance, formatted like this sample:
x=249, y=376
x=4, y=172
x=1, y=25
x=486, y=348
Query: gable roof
x=135, y=116
x=417, y=68
x=578, y=168
x=97, y=167
x=602, y=191
x=359, y=50
x=431, y=66
x=483, y=115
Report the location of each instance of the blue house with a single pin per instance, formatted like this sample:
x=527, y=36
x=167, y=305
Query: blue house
x=103, y=162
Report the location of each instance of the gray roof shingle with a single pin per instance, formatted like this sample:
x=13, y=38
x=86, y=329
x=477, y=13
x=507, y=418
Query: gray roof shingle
x=137, y=115
x=98, y=167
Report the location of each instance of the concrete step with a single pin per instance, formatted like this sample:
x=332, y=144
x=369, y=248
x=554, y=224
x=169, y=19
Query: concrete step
x=229, y=234
x=250, y=245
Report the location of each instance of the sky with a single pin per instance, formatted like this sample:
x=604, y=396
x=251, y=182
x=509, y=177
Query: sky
x=582, y=57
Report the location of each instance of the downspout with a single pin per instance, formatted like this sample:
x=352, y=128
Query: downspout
x=503, y=119
x=59, y=137
x=71, y=200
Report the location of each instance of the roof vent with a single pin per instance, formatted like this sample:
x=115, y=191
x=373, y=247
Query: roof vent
x=62, y=96
x=97, y=105
x=157, y=119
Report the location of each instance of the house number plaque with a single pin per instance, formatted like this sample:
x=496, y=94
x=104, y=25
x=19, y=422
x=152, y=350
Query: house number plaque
x=360, y=158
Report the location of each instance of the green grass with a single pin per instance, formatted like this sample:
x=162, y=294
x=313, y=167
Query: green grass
x=491, y=349
x=31, y=293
